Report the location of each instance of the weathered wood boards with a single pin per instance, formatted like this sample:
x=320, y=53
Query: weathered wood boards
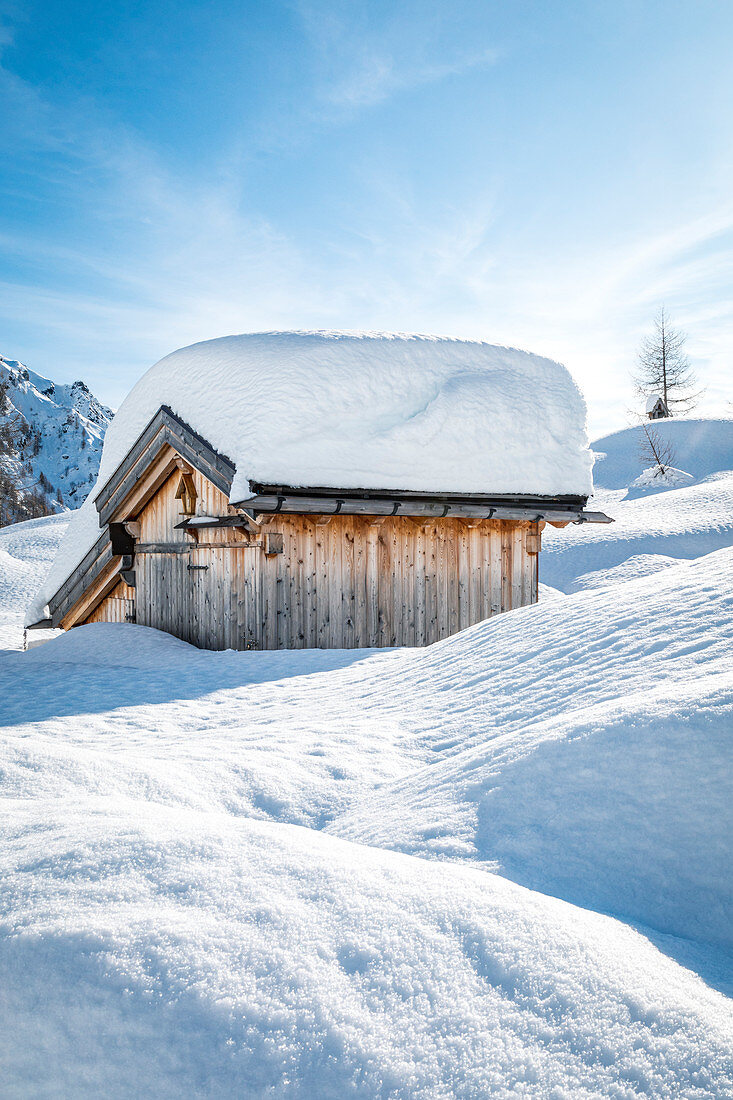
x=302, y=581
x=117, y=607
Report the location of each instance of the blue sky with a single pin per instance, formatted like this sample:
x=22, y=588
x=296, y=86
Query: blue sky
x=535, y=174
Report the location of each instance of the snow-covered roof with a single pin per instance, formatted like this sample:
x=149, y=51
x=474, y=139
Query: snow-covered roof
x=653, y=401
x=361, y=411
x=371, y=411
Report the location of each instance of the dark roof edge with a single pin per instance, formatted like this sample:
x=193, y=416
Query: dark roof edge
x=434, y=506
x=526, y=500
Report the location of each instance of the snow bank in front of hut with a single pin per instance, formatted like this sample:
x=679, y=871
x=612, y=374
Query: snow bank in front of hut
x=154, y=951
x=364, y=411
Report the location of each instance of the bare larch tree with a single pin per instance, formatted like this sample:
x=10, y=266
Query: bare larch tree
x=656, y=450
x=663, y=367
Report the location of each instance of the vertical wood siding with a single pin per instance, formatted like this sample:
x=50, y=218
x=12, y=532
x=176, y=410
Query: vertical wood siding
x=118, y=606
x=346, y=582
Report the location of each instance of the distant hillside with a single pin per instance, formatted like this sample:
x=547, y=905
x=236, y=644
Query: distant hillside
x=655, y=526
x=701, y=447
x=53, y=438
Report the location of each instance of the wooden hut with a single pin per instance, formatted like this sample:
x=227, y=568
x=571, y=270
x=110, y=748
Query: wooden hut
x=287, y=566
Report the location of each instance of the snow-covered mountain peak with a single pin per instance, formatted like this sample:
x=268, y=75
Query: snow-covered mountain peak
x=58, y=433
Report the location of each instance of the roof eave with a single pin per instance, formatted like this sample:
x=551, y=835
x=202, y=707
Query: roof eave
x=286, y=500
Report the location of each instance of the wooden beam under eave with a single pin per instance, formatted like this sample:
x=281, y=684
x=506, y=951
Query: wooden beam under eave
x=248, y=522
x=93, y=596
x=130, y=507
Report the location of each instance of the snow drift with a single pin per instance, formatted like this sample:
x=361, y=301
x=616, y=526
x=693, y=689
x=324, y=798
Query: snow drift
x=178, y=953
x=26, y=551
x=581, y=748
x=197, y=896
x=371, y=411
x=654, y=525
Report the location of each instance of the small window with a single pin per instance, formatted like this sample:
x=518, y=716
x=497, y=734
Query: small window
x=186, y=493
x=274, y=542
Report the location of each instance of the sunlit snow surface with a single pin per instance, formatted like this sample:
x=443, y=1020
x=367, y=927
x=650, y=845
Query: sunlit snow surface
x=652, y=529
x=497, y=866
x=26, y=551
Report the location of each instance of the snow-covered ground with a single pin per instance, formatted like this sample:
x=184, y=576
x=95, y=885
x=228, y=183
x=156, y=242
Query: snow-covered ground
x=26, y=551
x=584, y=752
x=653, y=527
x=497, y=866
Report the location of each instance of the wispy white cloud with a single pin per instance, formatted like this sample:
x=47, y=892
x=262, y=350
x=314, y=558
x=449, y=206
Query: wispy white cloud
x=179, y=258
x=376, y=77
x=365, y=57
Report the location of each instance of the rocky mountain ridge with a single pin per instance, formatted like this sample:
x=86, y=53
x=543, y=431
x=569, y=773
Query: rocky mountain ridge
x=52, y=440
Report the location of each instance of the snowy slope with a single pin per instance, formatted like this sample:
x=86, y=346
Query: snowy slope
x=638, y=676
x=583, y=748
x=290, y=874
x=701, y=447
x=66, y=428
x=155, y=880
x=26, y=551
x=151, y=951
x=652, y=529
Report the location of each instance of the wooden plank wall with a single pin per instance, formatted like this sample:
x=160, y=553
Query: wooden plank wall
x=356, y=582
x=117, y=607
x=349, y=582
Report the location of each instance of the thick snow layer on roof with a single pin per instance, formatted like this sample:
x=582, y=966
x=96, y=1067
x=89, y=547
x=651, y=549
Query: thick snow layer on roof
x=372, y=412
x=369, y=411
